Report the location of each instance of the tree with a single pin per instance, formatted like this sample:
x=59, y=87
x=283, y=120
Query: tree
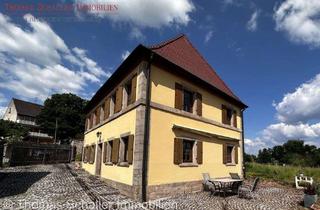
x=264, y=156
x=12, y=131
x=67, y=111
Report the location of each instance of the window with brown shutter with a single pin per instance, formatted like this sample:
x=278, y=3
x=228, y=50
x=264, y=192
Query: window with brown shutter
x=227, y=114
x=130, y=149
x=236, y=154
x=107, y=108
x=230, y=154
x=104, y=157
x=199, y=152
x=115, y=151
x=188, y=101
x=98, y=115
x=235, y=118
x=133, y=89
x=199, y=104
x=92, y=154
x=178, y=96
x=118, y=105
x=85, y=153
x=177, y=154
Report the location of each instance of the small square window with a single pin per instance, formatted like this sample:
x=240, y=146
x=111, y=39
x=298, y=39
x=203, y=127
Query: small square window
x=187, y=101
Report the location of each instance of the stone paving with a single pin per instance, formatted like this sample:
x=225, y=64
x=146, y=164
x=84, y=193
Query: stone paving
x=61, y=186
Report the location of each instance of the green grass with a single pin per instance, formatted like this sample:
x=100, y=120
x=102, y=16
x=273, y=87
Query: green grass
x=281, y=174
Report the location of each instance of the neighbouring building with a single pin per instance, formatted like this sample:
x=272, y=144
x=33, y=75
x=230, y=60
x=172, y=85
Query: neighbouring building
x=161, y=120
x=25, y=113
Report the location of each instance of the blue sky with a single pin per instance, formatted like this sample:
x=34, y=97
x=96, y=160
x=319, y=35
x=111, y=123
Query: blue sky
x=266, y=51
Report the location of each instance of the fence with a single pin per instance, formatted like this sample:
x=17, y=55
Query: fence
x=27, y=153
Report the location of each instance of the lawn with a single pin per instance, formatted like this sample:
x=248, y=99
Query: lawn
x=282, y=174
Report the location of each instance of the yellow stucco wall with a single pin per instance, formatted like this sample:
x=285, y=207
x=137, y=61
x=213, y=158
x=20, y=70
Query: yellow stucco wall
x=162, y=170
x=163, y=86
x=123, y=124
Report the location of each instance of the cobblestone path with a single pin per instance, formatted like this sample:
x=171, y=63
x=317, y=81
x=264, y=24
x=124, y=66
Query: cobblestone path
x=62, y=187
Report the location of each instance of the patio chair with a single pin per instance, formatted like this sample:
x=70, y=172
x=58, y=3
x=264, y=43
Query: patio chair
x=247, y=191
x=208, y=185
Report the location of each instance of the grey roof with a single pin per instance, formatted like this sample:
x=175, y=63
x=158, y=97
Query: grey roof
x=27, y=108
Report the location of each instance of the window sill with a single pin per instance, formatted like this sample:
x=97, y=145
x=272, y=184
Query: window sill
x=230, y=164
x=188, y=165
x=123, y=164
x=108, y=163
x=91, y=162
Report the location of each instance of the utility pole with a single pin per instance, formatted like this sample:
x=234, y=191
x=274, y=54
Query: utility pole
x=55, y=131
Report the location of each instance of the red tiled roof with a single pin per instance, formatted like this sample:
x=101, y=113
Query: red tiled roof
x=27, y=108
x=181, y=52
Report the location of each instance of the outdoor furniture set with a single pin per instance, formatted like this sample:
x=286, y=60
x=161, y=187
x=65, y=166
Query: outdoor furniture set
x=232, y=185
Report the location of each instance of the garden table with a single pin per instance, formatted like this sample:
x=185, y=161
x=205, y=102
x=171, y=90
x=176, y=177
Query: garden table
x=227, y=184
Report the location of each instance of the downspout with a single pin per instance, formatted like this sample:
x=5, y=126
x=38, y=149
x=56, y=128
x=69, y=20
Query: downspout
x=242, y=138
x=146, y=132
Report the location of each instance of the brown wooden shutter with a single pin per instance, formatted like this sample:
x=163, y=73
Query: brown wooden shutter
x=104, y=157
x=234, y=118
x=199, y=104
x=177, y=151
x=84, y=155
x=236, y=154
x=86, y=125
x=107, y=108
x=89, y=154
x=130, y=149
x=119, y=99
x=98, y=115
x=199, y=152
x=224, y=153
x=133, y=89
x=91, y=120
x=115, y=151
x=224, y=114
x=93, y=153
x=178, y=96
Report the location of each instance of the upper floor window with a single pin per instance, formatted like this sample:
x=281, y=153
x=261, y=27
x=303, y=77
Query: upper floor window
x=186, y=100
x=229, y=116
x=128, y=89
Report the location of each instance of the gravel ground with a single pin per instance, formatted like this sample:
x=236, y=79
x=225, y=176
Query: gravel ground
x=61, y=186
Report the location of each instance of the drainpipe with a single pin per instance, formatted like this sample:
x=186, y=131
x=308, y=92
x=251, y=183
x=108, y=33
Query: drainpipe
x=242, y=138
x=146, y=133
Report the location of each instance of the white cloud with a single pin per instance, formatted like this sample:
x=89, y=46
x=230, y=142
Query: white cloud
x=146, y=13
x=32, y=61
x=302, y=105
x=208, y=36
x=125, y=54
x=300, y=20
x=252, y=24
x=298, y=114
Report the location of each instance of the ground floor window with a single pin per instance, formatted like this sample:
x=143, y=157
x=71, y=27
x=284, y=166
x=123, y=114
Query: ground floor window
x=230, y=153
x=187, y=151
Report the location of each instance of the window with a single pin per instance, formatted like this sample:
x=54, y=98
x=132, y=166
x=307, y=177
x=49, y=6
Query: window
x=230, y=154
x=92, y=153
x=124, y=149
x=113, y=103
x=9, y=110
x=229, y=116
x=109, y=148
x=128, y=89
x=187, y=151
x=187, y=101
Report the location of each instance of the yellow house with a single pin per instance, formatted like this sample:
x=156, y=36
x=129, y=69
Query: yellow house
x=161, y=120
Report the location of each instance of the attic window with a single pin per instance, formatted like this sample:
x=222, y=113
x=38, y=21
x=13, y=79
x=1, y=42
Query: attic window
x=9, y=110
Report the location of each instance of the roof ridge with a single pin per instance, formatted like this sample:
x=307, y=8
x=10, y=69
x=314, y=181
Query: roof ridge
x=166, y=42
x=212, y=69
x=26, y=102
